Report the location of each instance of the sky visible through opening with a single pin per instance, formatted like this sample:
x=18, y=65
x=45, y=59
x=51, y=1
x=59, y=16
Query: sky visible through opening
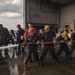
x=11, y=13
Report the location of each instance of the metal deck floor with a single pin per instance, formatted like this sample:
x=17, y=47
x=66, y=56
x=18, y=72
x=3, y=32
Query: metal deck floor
x=15, y=65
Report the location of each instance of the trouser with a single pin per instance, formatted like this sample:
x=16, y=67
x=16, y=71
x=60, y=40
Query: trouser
x=19, y=48
x=72, y=48
x=30, y=58
x=29, y=52
x=63, y=48
x=28, y=55
x=45, y=50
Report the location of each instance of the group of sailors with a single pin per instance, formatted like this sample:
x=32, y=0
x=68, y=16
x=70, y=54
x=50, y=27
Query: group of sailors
x=48, y=39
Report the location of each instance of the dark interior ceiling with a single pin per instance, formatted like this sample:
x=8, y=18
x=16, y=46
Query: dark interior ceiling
x=55, y=4
x=64, y=2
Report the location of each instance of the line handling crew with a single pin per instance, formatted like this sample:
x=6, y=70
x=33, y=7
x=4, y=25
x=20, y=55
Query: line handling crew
x=32, y=48
x=48, y=36
x=63, y=45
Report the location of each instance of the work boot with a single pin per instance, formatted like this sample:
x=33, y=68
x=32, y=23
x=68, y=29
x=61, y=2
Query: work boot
x=26, y=68
x=69, y=57
x=56, y=60
x=38, y=63
x=41, y=63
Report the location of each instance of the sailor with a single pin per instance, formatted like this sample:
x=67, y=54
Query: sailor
x=48, y=36
x=63, y=45
x=73, y=41
x=32, y=48
x=30, y=25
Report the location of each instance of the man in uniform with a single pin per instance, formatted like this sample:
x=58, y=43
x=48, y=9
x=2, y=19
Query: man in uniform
x=3, y=42
x=32, y=48
x=27, y=33
x=48, y=36
x=73, y=41
x=20, y=33
x=63, y=38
